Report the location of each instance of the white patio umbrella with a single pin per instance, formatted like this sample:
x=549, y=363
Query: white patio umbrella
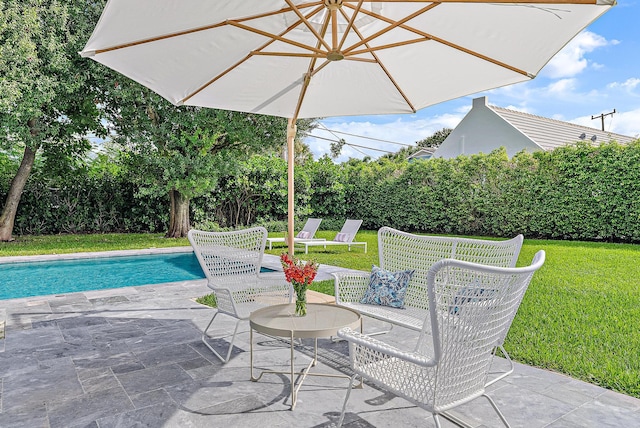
x=306, y=59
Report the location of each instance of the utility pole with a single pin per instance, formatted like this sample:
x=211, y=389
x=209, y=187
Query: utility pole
x=601, y=116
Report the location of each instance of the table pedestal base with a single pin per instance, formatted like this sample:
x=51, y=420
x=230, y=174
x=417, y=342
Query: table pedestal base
x=295, y=385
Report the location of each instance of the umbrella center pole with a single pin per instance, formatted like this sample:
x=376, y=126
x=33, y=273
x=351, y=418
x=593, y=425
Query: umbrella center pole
x=291, y=135
x=333, y=6
x=335, y=56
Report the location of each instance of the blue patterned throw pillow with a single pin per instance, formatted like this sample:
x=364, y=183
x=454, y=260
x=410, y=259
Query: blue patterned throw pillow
x=387, y=288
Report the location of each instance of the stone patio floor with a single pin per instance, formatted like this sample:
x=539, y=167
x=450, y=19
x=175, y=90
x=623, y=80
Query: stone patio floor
x=132, y=357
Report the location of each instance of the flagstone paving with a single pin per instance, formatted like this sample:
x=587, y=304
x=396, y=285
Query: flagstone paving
x=132, y=357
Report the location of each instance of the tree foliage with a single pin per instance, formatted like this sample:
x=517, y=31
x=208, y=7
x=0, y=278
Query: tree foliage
x=432, y=141
x=45, y=106
x=182, y=151
x=435, y=139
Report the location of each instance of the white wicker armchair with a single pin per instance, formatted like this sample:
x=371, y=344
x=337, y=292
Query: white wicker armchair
x=231, y=261
x=471, y=307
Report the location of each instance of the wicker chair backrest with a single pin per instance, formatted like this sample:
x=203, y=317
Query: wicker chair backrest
x=402, y=251
x=471, y=309
x=229, y=254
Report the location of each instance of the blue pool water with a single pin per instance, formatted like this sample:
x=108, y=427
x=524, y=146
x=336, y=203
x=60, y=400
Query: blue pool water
x=27, y=279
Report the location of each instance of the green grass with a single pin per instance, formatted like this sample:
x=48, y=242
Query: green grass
x=580, y=315
x=581, y=312
x=61, y=244
x=208, y=299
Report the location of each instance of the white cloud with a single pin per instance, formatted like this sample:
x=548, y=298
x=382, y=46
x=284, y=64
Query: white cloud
x=530, y=94
x=628, y=85
x=464, y=109
x=626, y=123
x=571, y=60
x=562, y=87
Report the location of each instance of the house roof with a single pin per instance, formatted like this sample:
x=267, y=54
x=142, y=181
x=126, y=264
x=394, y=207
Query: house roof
x=550, y=133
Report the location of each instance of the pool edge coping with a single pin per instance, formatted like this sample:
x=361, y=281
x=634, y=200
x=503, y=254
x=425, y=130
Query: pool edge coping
x=95, y=254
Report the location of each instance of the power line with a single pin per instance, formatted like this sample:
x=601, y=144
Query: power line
x=348, y=144
x=357, y=147
x=328, y=130
x=369, y=138
x=339, y=140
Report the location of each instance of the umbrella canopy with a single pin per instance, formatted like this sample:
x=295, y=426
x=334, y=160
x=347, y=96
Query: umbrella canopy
x=304, y=59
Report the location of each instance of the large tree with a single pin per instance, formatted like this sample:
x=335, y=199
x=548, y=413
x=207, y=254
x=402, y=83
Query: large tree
x=45, y=105
x=179, y=150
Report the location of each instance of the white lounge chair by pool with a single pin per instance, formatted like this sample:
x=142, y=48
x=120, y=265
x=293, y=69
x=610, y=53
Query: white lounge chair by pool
x=307, y=233
x=344, y=237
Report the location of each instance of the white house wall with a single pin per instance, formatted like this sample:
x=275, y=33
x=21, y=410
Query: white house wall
x=482, y=131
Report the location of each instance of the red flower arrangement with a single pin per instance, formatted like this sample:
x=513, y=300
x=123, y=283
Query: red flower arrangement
x=300, y=274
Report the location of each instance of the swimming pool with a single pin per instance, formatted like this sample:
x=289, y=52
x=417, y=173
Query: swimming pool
x=37, y=278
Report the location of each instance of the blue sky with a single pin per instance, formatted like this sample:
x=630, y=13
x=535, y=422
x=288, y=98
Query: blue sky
x=596, y=72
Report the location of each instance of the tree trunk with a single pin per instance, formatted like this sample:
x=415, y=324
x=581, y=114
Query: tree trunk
x=8, y=216
x=179, y=215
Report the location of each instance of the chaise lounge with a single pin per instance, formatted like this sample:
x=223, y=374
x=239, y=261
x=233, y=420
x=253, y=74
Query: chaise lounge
x=344, y=237
x=307, y=234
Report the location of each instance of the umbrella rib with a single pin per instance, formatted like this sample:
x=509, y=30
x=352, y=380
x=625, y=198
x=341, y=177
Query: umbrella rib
x=384, y=69
x=228, y=70
x=350, y=25
x=311, y=70
x=389, y=46
x=306, y=22
x=199, y=29
x=214, y=79
x=274, y=36
x=353, y=58
x=393, y=24
x=592, y=2
x=288, y=54
x=450, y=44
x=479, y=55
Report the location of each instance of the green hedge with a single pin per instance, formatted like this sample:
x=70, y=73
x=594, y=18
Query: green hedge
x=79, y=203
x=575, y=192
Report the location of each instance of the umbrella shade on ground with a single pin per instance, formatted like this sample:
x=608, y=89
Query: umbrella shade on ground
x=306, y=59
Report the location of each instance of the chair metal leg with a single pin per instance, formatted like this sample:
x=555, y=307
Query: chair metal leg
x=233, y=338
x=502, y=375
x=495, y=407
x=378, y=333
x=346, y=398
x=436, y=420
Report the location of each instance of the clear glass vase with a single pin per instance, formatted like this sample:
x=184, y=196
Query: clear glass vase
x=301, y=299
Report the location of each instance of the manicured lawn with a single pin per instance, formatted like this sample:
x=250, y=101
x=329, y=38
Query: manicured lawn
x=580, y=316
x=61, y=244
